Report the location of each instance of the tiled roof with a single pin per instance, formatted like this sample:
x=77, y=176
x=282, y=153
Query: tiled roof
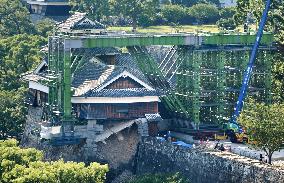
x=96, y=25
x=127, y=62
x=33, y=77
x=158, y=52
x=89, y=71
x=129, y=92
x=94, y=73
x=75, y=23
x=153, y=117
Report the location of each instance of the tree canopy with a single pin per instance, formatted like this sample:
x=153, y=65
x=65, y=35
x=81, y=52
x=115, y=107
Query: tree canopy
x=189, y=3
x=135, y=9
x=275, y=24
x=14, y=18
x=45, y=27
x=169, y=10
x=204, y=13
x=26, y=165
x=264, y=125
x=18, y=54
x=96, y=9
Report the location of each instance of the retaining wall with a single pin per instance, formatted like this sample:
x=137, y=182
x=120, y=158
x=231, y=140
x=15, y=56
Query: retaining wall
x=203, y=165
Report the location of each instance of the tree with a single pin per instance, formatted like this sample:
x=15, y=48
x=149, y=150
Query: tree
x=264, y=125
x=26, y=165
x=45, y=27
x=96, y=9
x=136, y=8
x=228, y=12
x=14, y=18
x=18, y=54
x=204, y=13
x=12, y=113
x=214, y=2
x=249, y=9
x=276, y=20
x=178, y=11
x=187, y=3
x=227, y=24
x=275, y=24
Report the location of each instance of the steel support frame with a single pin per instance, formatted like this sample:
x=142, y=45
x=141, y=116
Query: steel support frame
x=60, y=66
x=188, y=81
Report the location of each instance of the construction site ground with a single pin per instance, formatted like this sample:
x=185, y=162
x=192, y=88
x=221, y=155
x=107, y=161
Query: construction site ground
x=237, y=148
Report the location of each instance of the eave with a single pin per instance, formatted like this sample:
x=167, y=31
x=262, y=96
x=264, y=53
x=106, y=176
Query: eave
x=111, y=100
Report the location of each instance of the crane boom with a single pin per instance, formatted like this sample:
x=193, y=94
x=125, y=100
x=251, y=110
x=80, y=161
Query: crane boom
x=248, y=71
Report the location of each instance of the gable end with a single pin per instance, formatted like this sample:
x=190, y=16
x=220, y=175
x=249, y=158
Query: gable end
x=126, y=74
x=124, y=83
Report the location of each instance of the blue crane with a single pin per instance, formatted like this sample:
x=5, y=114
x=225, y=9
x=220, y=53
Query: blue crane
x=247, y=75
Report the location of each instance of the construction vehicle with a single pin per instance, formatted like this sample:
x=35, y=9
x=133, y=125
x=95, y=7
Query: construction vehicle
x=234, y=131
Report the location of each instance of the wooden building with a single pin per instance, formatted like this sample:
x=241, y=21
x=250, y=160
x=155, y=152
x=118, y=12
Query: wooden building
x=117, y=92
x=107, y=84
x=49, y=7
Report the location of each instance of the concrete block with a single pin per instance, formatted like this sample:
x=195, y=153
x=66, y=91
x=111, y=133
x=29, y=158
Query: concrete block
x=91, y=123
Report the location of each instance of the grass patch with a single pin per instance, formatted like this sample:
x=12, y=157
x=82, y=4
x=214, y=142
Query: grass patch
x=170, y=29
x=162, y=29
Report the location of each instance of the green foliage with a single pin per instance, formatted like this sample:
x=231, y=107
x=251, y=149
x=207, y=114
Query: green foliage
x=173, y=13
x=264, y=125
x=160, y=178
x=12, y=113
x=276, y=20
x=204, y=13
x=96, y=9
x=45, y=27
x=278, y=76
x=187, y=3
x=228, y=12
x=58, y=171
x=226, y=24
x=26, y=166
x=250, y=9
x=14, y=18
x=11, y=155
x=190, y=3
x=18, y=54
x=276, y=24
x=136, y=9
x=226, y=21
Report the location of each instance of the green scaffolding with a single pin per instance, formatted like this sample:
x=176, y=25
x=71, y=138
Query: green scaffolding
x=209, y=80
x=200, y=84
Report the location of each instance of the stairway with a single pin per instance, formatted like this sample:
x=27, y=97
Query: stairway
x=114, y=130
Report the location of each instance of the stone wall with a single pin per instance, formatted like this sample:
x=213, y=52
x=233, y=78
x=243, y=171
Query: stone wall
x=113, y=143
x=203, y=165
x=118, y=151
